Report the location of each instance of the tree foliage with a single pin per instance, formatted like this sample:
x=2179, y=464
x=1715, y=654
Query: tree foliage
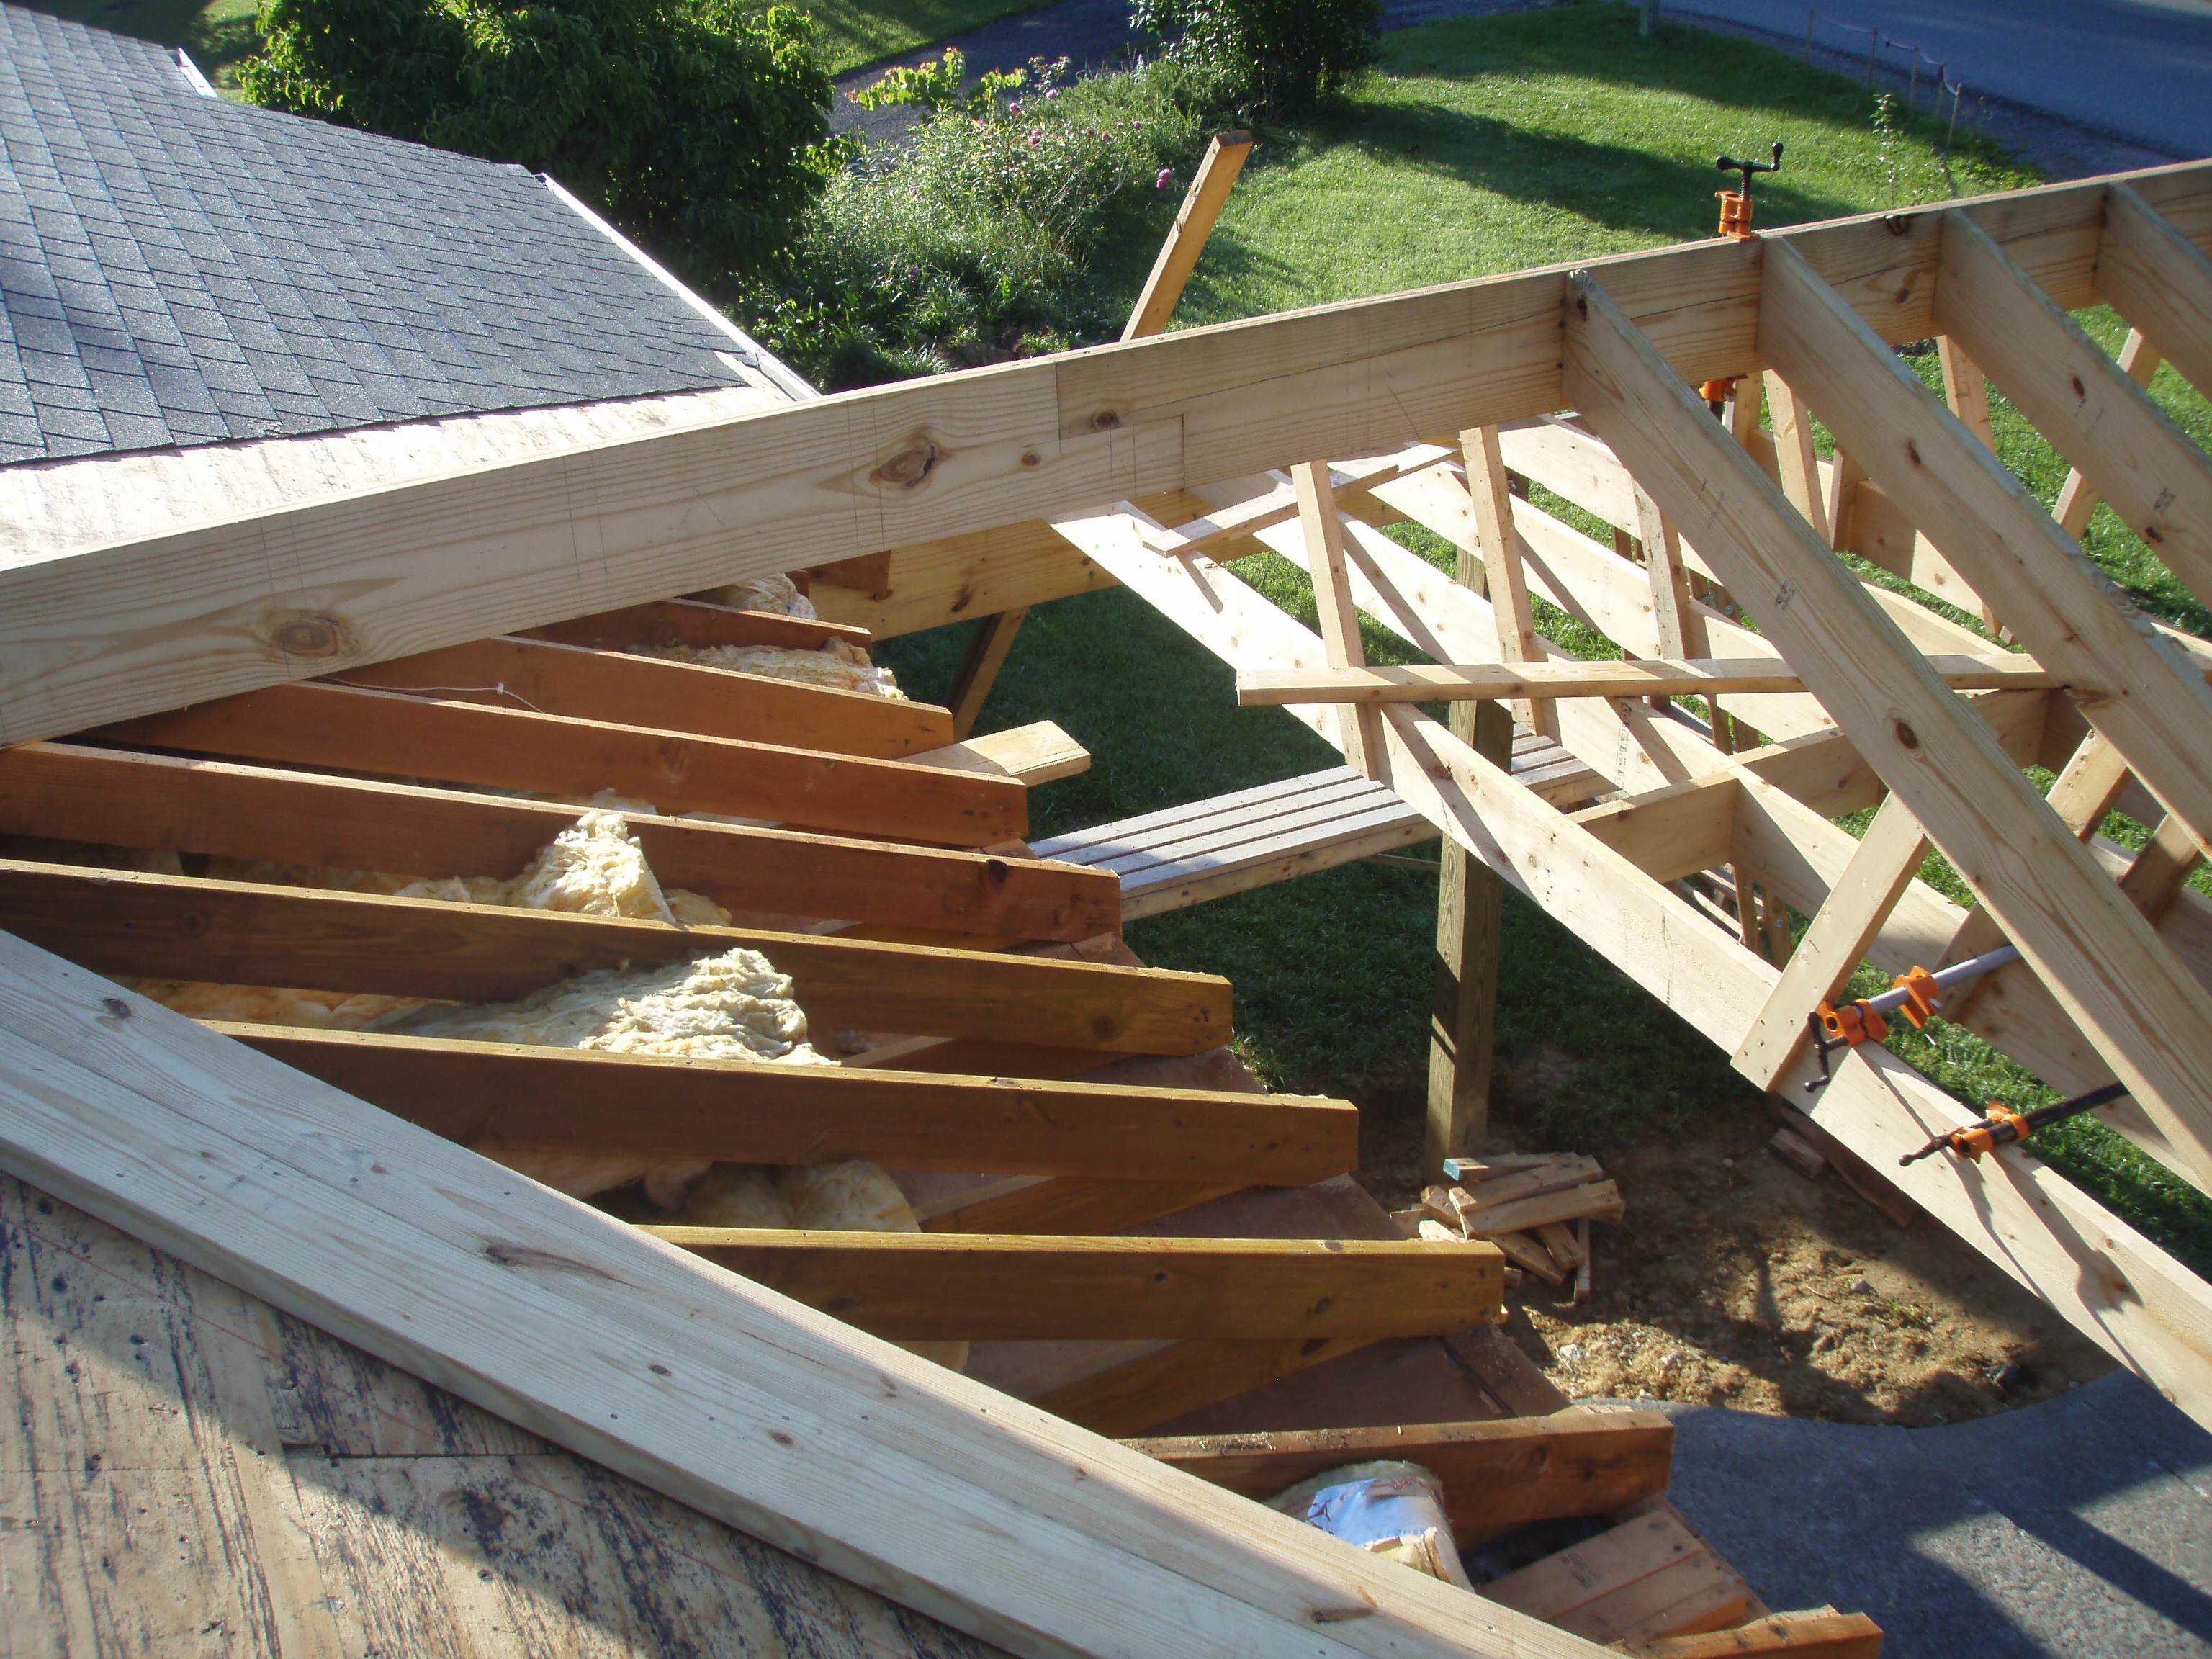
x=693, y=122
x=1273, y=58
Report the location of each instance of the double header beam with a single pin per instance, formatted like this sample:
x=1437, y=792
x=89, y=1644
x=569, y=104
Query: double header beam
x=111, y=633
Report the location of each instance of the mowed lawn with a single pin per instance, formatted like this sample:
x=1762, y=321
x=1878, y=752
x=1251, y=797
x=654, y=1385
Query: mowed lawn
x=1481, y=145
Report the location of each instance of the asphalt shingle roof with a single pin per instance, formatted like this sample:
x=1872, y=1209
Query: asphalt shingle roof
x=178, y=269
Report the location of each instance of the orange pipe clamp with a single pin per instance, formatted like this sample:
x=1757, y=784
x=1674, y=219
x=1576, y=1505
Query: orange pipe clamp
x=1984, y=1137
x=1854, y=1022
x=1922, y=996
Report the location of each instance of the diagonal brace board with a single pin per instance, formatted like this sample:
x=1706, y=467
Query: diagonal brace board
x=912, y=1480
x=2149, y=1018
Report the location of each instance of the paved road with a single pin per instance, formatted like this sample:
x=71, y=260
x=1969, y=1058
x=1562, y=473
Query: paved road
x=2077, y=1528
x=2139, y=69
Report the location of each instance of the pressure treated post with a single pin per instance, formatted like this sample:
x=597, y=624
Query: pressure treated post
x=1470, y=910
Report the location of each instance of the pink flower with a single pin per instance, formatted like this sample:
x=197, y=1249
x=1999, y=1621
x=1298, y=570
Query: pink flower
x=1161, y=183
x=1054, y=93
x=1033, y=140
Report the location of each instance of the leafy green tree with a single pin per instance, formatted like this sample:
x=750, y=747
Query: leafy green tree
x=694, y=123
x=1273, y=58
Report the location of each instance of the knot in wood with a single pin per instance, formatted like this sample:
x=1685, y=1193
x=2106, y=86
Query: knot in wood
x=311, y=633
x=910, y=469
x=1907, y=735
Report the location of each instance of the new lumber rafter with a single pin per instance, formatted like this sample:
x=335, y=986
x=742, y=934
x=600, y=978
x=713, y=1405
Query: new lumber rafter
x=178, y=927
x=2134, y=686
x=2159, y=280
x=2089, y=407
x=2150, y=1019
x=895, y=1473
x=191, y=614
x=479, y=1093
x=551, y=678
x=2109, y=1283
x=118, y=798
x=697, y=621
x=312, y=723
x=956, y=1286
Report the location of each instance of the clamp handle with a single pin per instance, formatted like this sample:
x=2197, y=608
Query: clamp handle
x=1730, y=164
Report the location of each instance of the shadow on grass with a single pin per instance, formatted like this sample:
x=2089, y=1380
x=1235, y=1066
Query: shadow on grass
x=1619, y=186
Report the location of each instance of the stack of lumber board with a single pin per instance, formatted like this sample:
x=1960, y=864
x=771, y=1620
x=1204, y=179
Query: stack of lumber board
x=1536, y=1207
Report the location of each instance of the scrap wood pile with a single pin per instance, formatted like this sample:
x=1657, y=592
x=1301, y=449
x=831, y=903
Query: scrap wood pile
x=1536, y=1207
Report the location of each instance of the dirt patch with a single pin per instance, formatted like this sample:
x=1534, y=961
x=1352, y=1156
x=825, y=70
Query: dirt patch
x=1732, y=1281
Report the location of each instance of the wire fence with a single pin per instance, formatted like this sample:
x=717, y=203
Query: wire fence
x=1876, y=40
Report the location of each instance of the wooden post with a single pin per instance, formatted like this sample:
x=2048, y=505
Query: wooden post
x=1186, y=240
x=979, y=668
x=1470, y=911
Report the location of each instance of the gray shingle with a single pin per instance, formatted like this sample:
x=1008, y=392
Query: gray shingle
x=220, y=272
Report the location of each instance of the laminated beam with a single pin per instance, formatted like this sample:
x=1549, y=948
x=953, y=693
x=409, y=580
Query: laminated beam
x=1501, y=1472
x=916, y=1483
x=161, y=803
x=2147, y=1017
x=175, y=928
x=419, y=566
x=2091, y=411
x=2159, y=280
x=682, y=697
x=312, y=723
x=1009, y=1287
x=591, y=1104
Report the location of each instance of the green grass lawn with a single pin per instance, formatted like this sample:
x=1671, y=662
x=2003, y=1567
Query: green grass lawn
x=1485, y=145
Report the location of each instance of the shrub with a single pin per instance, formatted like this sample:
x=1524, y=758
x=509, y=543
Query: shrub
x=693, y=122
x=1277, y=57
x=969, y=242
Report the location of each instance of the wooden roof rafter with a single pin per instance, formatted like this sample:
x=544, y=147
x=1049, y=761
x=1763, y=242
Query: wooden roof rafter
x=2116, y=971
x=455, y=573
